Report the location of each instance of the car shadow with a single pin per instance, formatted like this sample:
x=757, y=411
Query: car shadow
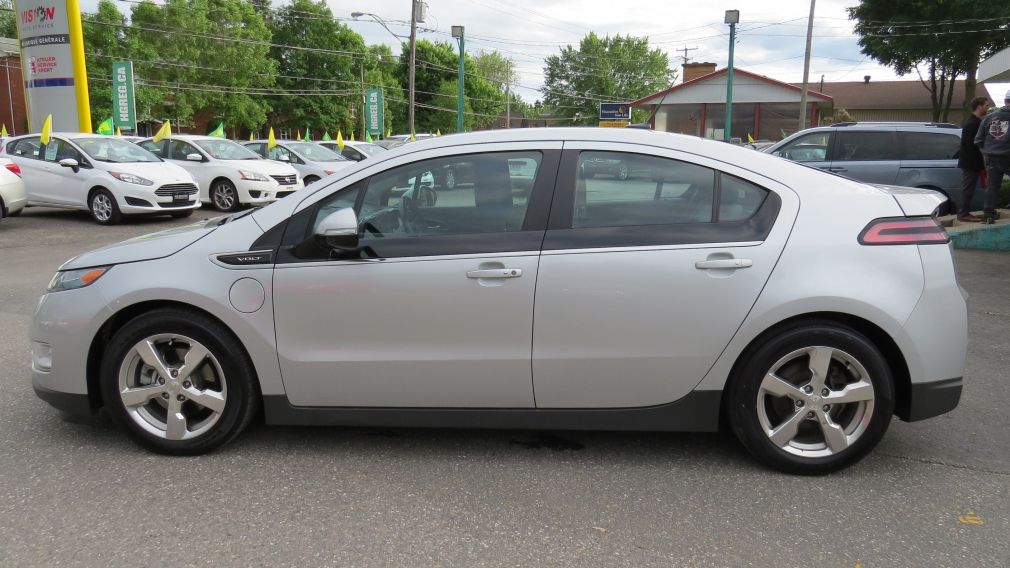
x=84, y=217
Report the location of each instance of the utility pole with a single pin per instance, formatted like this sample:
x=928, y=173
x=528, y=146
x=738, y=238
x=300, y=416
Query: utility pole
x=457, y=32
x=732, y=18
x=686, y=49
x=413, y=53
x=806, y=68
x=508, y=93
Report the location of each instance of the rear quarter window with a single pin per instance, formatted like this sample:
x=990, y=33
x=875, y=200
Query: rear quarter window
x=929, y=145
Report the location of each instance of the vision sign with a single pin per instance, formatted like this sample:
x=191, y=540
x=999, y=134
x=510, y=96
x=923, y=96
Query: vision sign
x=373, y=111
x=52, y=64
x=124, y=113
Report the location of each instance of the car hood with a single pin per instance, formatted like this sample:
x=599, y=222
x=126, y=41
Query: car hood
x=265, y=167
x=158, y=172
x=146, y=247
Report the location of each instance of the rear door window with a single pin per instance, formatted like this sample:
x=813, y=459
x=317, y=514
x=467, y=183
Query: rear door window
x=864, y=146
x=929, y=145
x=25, y=148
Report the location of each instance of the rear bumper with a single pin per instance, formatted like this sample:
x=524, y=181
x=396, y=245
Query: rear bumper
x=927, y=400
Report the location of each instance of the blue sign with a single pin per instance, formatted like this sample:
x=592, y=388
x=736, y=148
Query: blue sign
x=615, y=111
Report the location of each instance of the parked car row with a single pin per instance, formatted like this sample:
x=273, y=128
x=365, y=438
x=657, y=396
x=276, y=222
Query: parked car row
x=112, y=177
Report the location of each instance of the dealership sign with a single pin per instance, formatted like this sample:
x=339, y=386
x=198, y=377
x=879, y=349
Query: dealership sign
x=124, y=113
x=52, y=63
x=373, y=112
x=615, y=111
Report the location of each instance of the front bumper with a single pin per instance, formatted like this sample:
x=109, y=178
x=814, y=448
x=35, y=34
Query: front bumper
x=262, y=192
x=70, y=403
x=927, y=400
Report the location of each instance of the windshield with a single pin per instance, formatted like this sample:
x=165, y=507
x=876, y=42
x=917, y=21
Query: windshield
x=314, y=152
x=369, y=149
x=227, y=150
x=106, y=149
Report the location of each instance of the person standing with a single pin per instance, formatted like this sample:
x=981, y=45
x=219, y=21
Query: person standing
x=993, y=139
x=969, y=159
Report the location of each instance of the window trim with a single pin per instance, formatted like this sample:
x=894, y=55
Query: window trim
x=562, y=236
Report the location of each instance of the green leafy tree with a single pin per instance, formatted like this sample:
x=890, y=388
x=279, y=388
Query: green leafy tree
x=617, y=68
x=940, y=40
x=8, y=19
x=330, y=84
x=104, y=42
x=189, y=64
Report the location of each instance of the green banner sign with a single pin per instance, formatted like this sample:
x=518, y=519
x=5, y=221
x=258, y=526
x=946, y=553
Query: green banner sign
x=124, y=107
x=373, y=112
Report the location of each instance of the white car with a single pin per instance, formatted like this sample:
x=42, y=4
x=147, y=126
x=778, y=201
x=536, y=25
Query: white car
x=102, y=174
x=355, y=151
x=313, y=161
x=13, y=196
x=229, y=174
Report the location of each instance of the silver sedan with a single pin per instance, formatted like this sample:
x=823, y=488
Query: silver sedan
x=714, y=286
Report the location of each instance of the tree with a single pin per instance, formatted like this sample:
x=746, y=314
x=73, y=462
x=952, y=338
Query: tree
x=104, y=42
x=618, y=68
x=201, y=57
x=938, y=39
x=8, y=19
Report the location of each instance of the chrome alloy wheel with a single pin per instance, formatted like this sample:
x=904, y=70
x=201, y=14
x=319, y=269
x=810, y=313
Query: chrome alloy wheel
x=172, y=386
x=224, y=196
x=815, y=402
x=101, y=207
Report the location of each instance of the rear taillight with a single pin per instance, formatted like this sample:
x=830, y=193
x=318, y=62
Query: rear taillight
x=904, y=231
x=14, y=168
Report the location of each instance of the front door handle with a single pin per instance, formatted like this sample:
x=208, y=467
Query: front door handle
x=724, y=263
x=495, y=273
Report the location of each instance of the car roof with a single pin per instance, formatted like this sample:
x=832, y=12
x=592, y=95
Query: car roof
x=190, y=137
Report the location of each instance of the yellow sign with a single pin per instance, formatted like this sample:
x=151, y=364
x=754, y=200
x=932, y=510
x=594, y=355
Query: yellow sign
x=614, y=123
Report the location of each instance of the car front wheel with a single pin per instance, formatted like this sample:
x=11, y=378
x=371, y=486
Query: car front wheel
x=812, y=399
x=178, y=382
x=103, y=207
x=224, y=196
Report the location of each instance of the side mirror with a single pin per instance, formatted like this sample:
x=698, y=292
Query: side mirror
x=194, y=157
x=70, y=163
x=339, y=230
x=283, y=158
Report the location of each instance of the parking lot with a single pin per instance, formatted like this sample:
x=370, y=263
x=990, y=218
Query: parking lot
x=934, y=493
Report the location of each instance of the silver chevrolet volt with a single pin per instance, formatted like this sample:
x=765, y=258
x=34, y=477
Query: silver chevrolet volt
x=711, y=285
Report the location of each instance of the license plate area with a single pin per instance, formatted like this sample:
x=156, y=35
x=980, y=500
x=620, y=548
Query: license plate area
x=180, y=197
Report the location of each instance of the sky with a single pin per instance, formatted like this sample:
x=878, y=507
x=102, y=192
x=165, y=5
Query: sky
x=771, y=34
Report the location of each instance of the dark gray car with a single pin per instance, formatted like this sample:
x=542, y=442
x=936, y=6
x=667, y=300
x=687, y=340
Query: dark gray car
x=910, y=154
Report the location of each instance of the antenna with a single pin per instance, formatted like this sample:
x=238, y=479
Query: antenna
x=686, y=49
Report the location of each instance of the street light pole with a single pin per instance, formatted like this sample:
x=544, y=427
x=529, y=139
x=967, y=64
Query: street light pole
x=413, y=53
x=806, y=68
x=732, y=18
x=457, y=32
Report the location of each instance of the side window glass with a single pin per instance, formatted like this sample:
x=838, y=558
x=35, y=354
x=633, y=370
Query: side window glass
x=178, y=150
x=487, y=196
x=258, y=148
x=738, y=199
x=155, y=148
x=349, y=153
x=277, y=152
x=26, y=147
x=342, y=199
x=62, y=150
x=855, y=146
x=618, y=190
x=812, y=147
x=929, y=145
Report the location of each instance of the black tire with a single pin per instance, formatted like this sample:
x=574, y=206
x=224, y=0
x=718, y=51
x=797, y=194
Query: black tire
x=103, y=207
x=241, y=403
x=182, y=214
x=309, y=180
x=745, y=389
x=224, y=196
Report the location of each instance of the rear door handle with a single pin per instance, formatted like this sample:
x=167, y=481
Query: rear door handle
x=496, y=273
x=724, y=263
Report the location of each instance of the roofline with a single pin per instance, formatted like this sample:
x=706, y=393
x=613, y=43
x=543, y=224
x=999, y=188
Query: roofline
x=668, y=90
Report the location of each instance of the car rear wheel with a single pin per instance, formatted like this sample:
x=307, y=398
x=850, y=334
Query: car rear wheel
x=103, y=207
x=224, y=196
x=178, y=382
x=812, y=399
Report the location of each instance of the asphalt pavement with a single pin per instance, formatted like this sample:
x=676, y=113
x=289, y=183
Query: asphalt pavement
x=934, y=493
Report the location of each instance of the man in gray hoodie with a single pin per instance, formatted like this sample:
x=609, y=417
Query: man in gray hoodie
x=993, y=139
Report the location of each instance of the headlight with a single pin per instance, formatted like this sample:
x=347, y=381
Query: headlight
x=252, y=176
x=74, y=279
x=130, y=178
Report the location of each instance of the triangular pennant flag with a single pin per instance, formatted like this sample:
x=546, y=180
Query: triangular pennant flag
x=438, y=132
x=750, y=138
x=412, y=137
x=47, y=130
x=105, y=127
x=326, y=136
x=119, y=131
x=308, y=135
x=218, y=132
x=340, y=140
x=251, y=137
x=351, y=134
x=164, y=132
x=271, y=141
x=3, y=131
x=388, y=133
x=298, y=134
x=368, y=137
